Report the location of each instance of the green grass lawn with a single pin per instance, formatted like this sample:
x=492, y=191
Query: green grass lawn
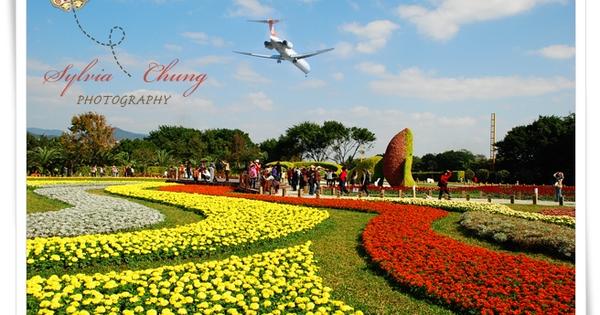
x=38, y=203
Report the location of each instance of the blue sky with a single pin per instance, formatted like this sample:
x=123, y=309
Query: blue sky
x=439, y=67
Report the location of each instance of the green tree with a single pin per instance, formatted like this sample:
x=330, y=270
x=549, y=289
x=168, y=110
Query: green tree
x=184, y=143
x=163, y=158
x=532, y=153
x=44, y=159
x=483, y=174
x=346, y=142
x=310, y=139
x=88, y=139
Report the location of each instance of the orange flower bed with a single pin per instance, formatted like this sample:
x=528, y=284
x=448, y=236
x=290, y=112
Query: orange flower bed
x=465, y=277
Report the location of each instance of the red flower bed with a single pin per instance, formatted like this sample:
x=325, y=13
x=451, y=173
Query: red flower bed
x=559, y=211
x=466, y=277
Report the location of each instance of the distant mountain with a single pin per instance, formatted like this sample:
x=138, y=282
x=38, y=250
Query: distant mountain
x=45, y=132
x=120, y=134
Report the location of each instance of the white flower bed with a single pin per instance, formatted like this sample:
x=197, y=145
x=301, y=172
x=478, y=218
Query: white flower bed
x=90, y=213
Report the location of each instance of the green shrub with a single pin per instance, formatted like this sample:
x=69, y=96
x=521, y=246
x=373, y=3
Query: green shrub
x=469, y=174
x=552, y=239
x=367, y=164
x=155, y=170
x=458, y=176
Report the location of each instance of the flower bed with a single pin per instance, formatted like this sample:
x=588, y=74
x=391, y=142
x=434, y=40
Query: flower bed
x=90, y=213
x=555, y=240
x=469, y=278
x=279, y=282
x=463, y=206
x=230, y=222
x=559, y=211
x=463, y=276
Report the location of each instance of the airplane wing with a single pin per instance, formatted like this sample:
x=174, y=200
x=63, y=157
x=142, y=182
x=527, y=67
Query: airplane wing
x=314, y=53
x=278, y=57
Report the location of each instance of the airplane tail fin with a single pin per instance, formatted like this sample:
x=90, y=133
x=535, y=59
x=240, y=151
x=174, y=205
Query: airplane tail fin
x=271, y=23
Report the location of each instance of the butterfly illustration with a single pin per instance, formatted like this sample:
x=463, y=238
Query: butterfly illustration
x=65, y=5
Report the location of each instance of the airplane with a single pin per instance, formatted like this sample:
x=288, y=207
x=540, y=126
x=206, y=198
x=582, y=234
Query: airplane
x=284, y=48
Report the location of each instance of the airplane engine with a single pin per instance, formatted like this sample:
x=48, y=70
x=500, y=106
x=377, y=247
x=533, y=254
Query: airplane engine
x=288, y=44
x=268, y=45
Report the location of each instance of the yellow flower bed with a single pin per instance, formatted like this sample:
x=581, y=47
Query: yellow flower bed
x=229, y=222
x=283, y=281
x=463, y=206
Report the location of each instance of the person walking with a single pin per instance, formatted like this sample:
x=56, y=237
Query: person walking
x=329, y=177
x=558, y=185
x=366, y=180
x=252, y=175
x=343, y=178
x=443, y=184
x=211, y=171
x=227, y=169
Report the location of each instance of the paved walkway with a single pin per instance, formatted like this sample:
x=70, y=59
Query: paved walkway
x=290, y=193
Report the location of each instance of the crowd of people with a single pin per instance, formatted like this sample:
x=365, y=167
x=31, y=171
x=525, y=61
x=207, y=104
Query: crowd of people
x=100, y=171
x=309, y=178
x=205, y=171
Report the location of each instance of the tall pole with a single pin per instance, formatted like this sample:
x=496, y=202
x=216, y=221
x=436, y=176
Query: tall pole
x=493, y=140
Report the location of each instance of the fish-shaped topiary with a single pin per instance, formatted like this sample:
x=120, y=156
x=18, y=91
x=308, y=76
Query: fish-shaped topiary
x=397, y=161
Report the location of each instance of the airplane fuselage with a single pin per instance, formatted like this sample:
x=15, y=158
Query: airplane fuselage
x=284, y=48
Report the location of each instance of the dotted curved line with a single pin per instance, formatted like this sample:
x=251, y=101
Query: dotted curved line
x=110, y=41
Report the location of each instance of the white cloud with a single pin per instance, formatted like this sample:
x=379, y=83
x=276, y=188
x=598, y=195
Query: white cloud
x=371, y=68
x=557, y=52
x=251, y=8
x=312, y=84
x=338, y=76
x=48, y=93
x=469, y=132
x=204, y=39
x=208, y=60
x=353, y=5
x=260, y=100
x=173, y=47
x=373, y=36
x=245, y=73
x=343, y=49
x=415, y=83
x=444, y=20
x=37, y=65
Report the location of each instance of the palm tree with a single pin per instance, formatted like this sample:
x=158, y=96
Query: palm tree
x=163, y=157
x=43, y=157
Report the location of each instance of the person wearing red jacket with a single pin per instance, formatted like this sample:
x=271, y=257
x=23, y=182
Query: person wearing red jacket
x=443, y=184
x=343, y=178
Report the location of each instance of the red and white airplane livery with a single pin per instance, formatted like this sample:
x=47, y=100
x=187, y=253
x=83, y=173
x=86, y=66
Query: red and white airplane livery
x=284, y=48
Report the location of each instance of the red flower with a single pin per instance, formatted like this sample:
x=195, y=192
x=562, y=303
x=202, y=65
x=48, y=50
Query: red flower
x=463, y=276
